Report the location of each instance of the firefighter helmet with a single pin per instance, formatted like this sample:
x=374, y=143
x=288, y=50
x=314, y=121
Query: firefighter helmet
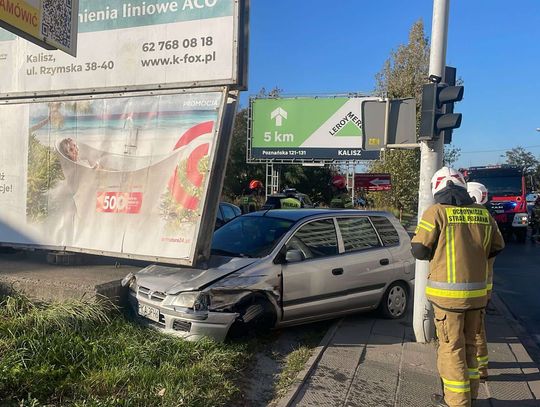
x=444, y=176
x=255, y=184
x=478, y=192
x=338, y=181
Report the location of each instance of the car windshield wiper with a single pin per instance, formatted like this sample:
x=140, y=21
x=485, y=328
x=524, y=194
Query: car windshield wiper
x=228, y=253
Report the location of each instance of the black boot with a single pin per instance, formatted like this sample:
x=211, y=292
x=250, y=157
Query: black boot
x=438, y=401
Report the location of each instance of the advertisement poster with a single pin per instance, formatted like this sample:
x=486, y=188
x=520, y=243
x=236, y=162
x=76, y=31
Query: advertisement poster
x=120, y=175
x=131, y=44
x=304, y=129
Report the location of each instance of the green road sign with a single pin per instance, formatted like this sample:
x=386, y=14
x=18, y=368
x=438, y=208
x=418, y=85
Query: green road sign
x=309, y=129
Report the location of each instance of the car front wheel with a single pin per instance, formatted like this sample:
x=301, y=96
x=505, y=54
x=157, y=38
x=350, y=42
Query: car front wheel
x=395, y=301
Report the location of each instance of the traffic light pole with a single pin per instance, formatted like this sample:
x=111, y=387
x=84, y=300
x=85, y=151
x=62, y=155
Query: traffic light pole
x=430, y=161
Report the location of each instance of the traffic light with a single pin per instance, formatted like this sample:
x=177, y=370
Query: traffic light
x=450, y=80
x=437, y=110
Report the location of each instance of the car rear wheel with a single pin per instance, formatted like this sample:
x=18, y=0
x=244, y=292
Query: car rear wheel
x=395, y=301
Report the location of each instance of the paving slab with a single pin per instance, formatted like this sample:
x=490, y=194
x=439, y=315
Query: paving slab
x=373, y=362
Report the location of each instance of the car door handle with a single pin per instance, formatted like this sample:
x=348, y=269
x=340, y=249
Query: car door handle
x=337, y=272
x=384, y=262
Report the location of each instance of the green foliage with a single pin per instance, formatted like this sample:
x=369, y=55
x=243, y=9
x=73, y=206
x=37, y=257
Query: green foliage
x=44, y=172
x=522, y=158
x=82, y=353
x=402, y=76
x=312, y=181
x=404, y=166
x=407, y=69
x=239, y=173
x=451, y=155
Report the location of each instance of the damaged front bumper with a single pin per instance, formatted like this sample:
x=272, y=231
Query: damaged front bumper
x=182, y=322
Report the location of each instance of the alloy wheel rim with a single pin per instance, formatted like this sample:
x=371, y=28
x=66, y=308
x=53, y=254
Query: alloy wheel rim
x=397, y=300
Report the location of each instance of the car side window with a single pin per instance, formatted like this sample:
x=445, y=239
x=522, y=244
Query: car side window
x=228, y=213
x=358, y=234
x=315, y=239
x=387, y=231
x=219, y=215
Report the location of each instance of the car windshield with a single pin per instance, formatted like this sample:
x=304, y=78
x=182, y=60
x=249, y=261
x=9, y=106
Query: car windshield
x=249, y=236
x=500, y=186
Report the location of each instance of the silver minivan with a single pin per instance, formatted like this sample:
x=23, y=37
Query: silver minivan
x=281, y=267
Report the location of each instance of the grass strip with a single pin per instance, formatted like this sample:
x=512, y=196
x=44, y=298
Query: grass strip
x=84, y=353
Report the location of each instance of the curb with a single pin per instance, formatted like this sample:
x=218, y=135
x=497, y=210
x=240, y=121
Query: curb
x=288, y=399
x=528, y=343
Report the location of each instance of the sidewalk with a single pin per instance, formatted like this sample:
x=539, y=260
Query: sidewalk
x=372, y=362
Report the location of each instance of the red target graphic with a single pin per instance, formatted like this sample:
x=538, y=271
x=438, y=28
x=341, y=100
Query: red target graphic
x=193, y=176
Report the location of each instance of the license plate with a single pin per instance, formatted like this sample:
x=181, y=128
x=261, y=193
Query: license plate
x=149, y=312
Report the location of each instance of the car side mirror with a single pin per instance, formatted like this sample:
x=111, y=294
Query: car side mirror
x=294, y=256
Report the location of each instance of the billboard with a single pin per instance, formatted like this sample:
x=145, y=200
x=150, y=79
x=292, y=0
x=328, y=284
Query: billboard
x=123, y=175
x=373, y=182
x=134, y=45
x=308, y=129
x=48, y=23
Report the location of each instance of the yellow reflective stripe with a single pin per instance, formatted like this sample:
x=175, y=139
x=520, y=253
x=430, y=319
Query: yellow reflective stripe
x=439, y=292
x=490, y=286
x=427, y=224
x=456, y=382
x=448, y=262
x=473, y=373
x=453, y=255
x=424, y=227
x=482, y=361
x=450, y=255
x=457, y=386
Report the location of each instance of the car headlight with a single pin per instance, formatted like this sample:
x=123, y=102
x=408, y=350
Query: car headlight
x=193, y=299
x=130, y=281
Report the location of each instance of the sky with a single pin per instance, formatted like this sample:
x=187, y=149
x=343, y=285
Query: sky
x=311, y=47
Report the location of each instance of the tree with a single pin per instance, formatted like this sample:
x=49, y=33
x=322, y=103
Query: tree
x=239, y=173
x=520, y=157
x=402, y=76
x=451, y=155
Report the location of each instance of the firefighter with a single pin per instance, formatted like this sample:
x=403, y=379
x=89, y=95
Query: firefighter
x=458, y=237
x=479, y=193
x=290, y=201
x=340, y=196
x=535, y=221
x=251, y=201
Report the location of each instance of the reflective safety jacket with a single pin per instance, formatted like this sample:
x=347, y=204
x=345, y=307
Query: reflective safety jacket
x=458, y=241
x=342, y=200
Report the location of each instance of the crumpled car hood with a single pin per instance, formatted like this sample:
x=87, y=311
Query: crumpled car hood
x=174, y=280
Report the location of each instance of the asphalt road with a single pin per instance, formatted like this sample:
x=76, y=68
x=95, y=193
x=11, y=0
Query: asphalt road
x=517, y=282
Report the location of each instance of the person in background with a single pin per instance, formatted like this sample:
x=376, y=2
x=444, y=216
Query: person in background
x=290, y=201
x=251, y=201
x=340, y=195
x=479, y=193
x=458, y=237
x=535, y=221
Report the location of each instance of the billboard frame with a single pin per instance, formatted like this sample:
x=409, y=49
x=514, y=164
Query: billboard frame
x=249, y=139
x=200, y=251
x=237, y=82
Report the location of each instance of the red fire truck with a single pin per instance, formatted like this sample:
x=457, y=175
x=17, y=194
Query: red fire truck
x=506, y=197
